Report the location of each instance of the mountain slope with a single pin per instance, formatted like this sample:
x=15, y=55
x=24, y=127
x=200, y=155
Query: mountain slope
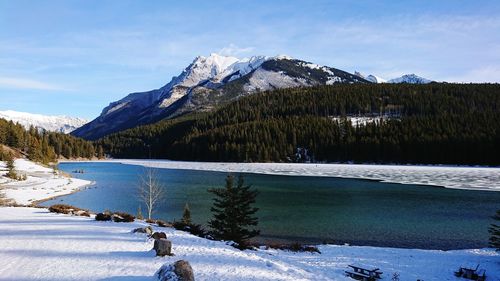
x=208, y=82
x=61, y=124
x=420, y=124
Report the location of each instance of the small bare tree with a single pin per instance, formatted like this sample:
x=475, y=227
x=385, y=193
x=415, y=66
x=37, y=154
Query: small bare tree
x=150, y=190
x=4, y=201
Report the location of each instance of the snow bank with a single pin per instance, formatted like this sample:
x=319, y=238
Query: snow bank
x=450, y=177
x=35, y=244
x=41, y=183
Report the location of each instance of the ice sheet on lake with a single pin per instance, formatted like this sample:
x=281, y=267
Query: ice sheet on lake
x=447, y=176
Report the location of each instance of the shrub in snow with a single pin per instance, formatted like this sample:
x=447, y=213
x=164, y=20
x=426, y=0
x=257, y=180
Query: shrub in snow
x=148, y=230
x=181, y=270
x=139, y=213
x=192, y=228
x=162, y=223
x=122, y=217
x=163, y=247
x=68, y=209
x=294, y=247
x=103, y=217
x=186, y=215
x=82, y=213
x=159, y=235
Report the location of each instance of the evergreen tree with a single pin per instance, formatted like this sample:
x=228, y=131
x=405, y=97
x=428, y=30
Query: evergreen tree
x=186, y=215
x=44, y=146
x=35, y=151
x=233, y=213
x=9, y=161
x=494, y=231
x=100, y=152
x=139, y=213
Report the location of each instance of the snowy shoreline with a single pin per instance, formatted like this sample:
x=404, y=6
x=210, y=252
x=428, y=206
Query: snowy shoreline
x=41, y=183
x=456, y=177
x=47, y=246
x=43, y=245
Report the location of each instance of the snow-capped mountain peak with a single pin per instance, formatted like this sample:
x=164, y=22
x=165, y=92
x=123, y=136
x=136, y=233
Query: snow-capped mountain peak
x=62, y=124
x=407, y=78
x=375, y=79
x=410, y=79
x=208, y=82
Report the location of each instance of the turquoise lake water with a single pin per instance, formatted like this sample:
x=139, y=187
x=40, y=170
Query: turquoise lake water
x=308, y=209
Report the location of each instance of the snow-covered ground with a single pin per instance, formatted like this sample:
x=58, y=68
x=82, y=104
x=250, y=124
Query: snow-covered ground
x=38, y=245
x=41, y=183
x=450, y=177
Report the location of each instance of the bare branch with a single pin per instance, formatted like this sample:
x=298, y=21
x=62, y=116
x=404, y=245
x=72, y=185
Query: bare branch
x=150, y=191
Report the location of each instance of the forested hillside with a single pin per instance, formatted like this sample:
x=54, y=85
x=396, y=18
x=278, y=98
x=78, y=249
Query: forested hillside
x=45, y=147
x=431, y=124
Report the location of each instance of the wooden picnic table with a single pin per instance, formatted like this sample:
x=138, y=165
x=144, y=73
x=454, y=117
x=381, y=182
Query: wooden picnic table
x=472, y=273
x=363, y=273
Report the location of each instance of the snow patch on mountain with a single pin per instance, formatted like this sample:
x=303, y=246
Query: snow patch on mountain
x=410, y=79
x=372, y=78
x=264, y=80
x=375, y=79
x=62, y=124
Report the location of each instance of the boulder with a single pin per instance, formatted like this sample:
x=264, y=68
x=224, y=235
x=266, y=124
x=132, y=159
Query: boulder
x=163, y=247
x=148, y=230
x=181, y=270
x=158, y=235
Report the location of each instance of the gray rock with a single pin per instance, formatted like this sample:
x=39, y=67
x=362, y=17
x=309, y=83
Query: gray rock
x=183, y=270
x=163, y=247
x=148, y=230
x=158, y=235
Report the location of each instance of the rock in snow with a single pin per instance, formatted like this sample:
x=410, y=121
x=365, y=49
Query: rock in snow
x=181, y=270
x=62, y=124
x=159, y=235
x=148, y=230
x=163, y=247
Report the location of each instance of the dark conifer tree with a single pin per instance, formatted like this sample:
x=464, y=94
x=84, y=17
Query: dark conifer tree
x=494, y=231
x=233, y=213
x=186, y=215
x=9, y=161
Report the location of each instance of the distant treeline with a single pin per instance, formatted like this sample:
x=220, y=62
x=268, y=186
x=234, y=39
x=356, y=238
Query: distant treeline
x=427, y=124
x=45, y=147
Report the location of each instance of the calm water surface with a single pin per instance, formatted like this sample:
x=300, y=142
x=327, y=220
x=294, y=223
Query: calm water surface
x=309, y=209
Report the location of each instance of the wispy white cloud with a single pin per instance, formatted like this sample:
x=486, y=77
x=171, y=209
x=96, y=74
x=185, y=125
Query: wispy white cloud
x=484, y=74
x=234, y=50
x=23, y=83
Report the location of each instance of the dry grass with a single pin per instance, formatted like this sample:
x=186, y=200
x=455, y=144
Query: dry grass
x=68, y=209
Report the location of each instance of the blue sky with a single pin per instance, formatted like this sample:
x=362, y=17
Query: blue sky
x=75, y=57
